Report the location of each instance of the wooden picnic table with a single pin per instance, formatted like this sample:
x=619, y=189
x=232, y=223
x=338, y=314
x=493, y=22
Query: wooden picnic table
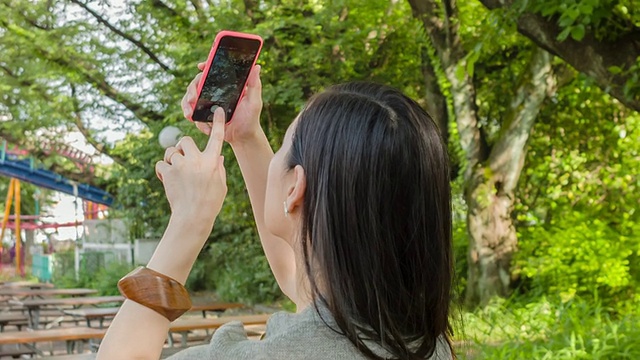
x=166, y=352
x=214, y=306
x=183, y=326
x=27, y=285
x=70, y=335
x=89, y=314
x=62, y=334
x=34, y=306
x=100, y=314
x=32, y=293
x=12, y=317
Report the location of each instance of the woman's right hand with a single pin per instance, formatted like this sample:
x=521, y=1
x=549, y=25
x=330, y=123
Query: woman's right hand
x=246, y=119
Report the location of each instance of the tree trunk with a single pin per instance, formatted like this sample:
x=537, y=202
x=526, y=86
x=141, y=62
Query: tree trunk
x=492, y=239
x=490, y=188
x=436, y=102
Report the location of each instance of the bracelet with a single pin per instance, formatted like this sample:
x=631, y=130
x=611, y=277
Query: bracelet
x=155, y=291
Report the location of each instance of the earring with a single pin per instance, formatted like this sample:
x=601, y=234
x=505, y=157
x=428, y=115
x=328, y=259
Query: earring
x=286, y=209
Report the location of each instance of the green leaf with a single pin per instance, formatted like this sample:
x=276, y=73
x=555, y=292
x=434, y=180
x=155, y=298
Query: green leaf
x=460, y=73
x=577, y=32
x=615, y=70
x=565, y=21
x=586, y=9
x=564, y=34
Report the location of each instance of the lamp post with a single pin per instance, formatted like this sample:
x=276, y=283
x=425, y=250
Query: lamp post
x=169, y=136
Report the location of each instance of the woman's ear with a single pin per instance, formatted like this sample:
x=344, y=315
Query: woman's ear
x=295, y=198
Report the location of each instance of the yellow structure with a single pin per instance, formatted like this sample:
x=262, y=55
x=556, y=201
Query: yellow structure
x=14, y=190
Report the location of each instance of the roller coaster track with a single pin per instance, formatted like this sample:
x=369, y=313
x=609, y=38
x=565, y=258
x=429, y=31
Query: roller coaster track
x=16, y=163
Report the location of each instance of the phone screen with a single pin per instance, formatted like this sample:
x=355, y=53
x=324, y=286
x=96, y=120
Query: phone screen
x=226, y=78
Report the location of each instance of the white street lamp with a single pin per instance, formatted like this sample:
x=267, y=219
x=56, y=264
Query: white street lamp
x=169, y=136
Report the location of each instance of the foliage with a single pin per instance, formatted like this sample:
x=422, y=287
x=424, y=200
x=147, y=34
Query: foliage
x=460, y=238
x=548, y=328
x=104, y=278
x=578, y=254
x=606, y=19
x=237, y=270
x=578, y=200
x=603, y=20
x=31, y=198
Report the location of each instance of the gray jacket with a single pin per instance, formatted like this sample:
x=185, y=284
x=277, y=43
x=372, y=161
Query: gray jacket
x=289, y=336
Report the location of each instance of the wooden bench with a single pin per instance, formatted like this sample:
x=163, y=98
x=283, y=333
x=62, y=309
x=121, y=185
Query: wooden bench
x=216, y=307
x=34, y=306
x=101, y=314
x=184, y=326
x=13, y=318
x=70, y=335
x=16, y=351
x=90, y=314
x=166, y=352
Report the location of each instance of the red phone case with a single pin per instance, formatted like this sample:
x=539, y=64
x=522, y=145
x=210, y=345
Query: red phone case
x=212, y=54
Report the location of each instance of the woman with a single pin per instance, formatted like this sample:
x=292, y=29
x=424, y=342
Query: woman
x=354, y=216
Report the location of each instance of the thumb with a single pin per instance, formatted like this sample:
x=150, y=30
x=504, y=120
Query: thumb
x=254, y=85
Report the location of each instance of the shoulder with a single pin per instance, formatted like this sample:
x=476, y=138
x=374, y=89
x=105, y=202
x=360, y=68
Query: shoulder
x=306, y=335
x=289, y=336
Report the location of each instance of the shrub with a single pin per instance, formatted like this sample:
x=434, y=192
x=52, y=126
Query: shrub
x=578, y=255
x=237, y=269
x=103, y=278
x=544, y=329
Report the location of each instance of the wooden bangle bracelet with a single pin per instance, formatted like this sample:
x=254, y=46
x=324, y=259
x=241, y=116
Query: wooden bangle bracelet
x=156, y=291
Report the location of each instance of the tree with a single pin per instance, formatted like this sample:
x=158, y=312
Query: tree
x=469, y=48
x=600, y=38
x=491, y=168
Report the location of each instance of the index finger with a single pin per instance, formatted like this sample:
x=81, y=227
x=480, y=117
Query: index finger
x=216, y=139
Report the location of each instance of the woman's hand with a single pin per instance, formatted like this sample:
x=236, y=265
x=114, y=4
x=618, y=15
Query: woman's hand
x=194, y=181
x=245, y=123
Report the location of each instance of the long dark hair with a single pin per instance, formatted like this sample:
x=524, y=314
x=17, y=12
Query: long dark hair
x=376, y=220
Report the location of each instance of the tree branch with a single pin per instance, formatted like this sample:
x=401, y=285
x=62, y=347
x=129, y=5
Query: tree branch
x=507, y=156
x=98, y=81
x=197, y=5
x=101, y=147
x=67, y=60
x=590, y=56
x=448, y=47
x=249, y=9
x=127, y=37
x=162, y=6
x=436, y=102
x=427, y=12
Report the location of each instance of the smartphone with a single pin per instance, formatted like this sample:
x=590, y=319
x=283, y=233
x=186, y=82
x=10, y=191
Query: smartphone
x=229, y=64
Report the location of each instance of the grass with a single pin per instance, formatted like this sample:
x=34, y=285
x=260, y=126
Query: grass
x=549, y=329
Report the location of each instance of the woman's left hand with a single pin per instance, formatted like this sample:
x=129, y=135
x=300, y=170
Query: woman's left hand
x=195, y=182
